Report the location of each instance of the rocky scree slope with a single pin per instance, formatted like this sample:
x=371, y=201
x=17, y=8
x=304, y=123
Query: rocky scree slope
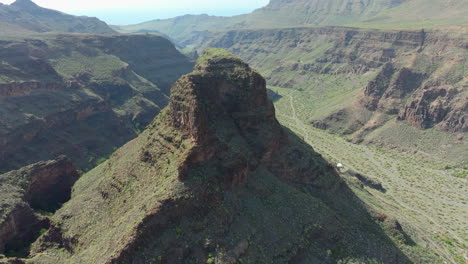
x=353, y=81
x=41, y=187
x=24, y=16
x=80, y=95
x=214, y=179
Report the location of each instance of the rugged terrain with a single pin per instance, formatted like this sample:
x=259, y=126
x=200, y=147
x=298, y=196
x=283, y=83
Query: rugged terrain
x=215, y=176
x=80, y=95
x=401, y=93
x=363, y=83
x=366, y=84
x=24, y=16
x=26, y=195
x=383, y=14
x=216, y=179
x=395, y=83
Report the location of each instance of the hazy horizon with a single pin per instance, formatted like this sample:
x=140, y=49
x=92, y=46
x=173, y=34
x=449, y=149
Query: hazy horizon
x=120, y=12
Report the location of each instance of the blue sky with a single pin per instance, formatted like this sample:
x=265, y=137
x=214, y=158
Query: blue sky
x=135, y=11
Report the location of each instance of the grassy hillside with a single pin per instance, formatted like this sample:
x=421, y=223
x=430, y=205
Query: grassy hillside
x=181, y=26
x=282, y=13
x=420, y=14
x=24, y=16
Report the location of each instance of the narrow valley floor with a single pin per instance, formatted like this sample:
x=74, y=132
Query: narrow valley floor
x=424, y=195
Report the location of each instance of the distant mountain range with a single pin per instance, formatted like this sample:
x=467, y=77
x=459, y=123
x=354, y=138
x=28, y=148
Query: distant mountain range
x=387, y=14
x=24, y=16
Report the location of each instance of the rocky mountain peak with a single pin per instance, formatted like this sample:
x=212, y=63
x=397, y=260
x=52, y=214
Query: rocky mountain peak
x=24, y=3
x=222, y=89
x=223, y=108
x=212, y=177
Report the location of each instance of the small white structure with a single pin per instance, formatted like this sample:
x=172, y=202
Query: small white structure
x=339, y=166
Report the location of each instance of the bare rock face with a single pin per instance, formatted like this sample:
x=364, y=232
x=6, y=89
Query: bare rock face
x=442, y=106
x=42, y=186
x=390, y=87
x=225, y=93
x=377, y=87
x=21, y=224
x=50, y=182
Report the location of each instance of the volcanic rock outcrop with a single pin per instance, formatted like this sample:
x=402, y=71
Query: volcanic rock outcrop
x=41, y=186
x=214, y=179
x=444, y=106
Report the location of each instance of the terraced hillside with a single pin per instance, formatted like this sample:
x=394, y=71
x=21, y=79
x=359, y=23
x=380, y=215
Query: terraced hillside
x=80, y=95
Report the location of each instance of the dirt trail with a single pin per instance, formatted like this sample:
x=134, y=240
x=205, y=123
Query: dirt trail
x=299, y=123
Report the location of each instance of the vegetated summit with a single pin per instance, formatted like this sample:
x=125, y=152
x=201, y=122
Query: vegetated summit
x=24, y=16
x=214, y=179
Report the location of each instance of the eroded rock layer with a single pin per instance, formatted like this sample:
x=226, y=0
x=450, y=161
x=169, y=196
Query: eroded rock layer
x=415, y=76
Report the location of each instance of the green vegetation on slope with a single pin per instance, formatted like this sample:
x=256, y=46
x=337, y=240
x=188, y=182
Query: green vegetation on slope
x=420, y=14
x=80, y=95
x=417, y=185
x=319, y=71
x=327, y=70
x=214, y=54
x=215, y=179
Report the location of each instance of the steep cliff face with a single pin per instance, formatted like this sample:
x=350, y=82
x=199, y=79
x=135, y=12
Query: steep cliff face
x=80, y=95
x=214, y=179
x=388, y=67
x=388, y=88
x=444, y=106
x=42, y=186
x=24, y=16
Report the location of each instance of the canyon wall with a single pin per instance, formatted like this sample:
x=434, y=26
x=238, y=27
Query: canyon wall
x=80, y=95
x=416, y=76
